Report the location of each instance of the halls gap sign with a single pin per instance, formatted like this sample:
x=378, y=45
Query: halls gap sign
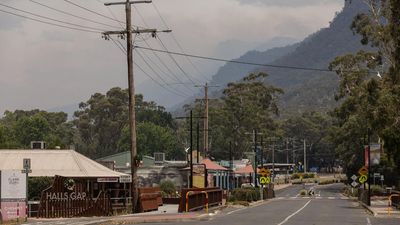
x=66, y=195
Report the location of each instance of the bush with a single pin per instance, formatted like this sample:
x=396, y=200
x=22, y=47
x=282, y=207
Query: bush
x=325, y=182
x=303, y=192
x=168, y=188
x=303, y=175
x=36, y=185
x=377, y=190
x=295, y=176
x=245, y=194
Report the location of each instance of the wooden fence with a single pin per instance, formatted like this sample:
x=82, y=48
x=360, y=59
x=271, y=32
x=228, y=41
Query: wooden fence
x=68, y=198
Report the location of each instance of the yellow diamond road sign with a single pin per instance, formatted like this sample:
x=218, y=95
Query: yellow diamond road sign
x=265, y=180
x=264, y=172
x=363, y=170
x=363, y=179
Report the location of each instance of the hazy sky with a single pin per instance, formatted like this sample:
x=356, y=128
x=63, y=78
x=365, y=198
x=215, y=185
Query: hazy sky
x=43, y=66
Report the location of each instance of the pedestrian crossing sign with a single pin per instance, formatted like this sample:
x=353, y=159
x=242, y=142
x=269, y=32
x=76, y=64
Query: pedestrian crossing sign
x=265, y=180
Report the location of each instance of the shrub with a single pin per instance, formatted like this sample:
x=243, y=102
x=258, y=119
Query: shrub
x=377, y=190
x=37, y=185
x=168, y=188
x=245, y=194
x=295, y=176
x=303, y=192
x=325, y=182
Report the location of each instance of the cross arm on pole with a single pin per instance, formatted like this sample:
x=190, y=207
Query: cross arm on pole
x=138, y=31
x=123, y=3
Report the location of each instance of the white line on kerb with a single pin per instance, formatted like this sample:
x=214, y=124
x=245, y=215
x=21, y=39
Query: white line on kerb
x=368, y=221
x=290, y=216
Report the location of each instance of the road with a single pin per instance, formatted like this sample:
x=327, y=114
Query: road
x=328, y=207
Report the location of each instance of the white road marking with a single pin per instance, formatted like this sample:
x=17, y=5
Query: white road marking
x=293, y=214
x=331, y=198
x=368, y=221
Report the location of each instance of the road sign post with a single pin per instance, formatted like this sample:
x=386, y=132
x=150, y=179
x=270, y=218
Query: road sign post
x=26, y=165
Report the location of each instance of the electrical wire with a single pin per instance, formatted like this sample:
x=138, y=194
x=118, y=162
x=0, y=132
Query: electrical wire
x=175, y=77
x=176, y=63
x=177, y=42
x=92, y=11
x=160, y=77
x=70, y=14
x=162, y=71
x=141, y=69
x=236, y=61
x=50, y=23
x=49, y=18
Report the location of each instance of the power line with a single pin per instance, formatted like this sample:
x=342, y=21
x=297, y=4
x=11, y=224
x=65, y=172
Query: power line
x=92, y=11
x=156, y=55
x=236, y=61
x=50, y=23
x=177, y=43
x=70, y=14
x=123, y=50
x=49, y=18
x=162, y=71
x=176, y=63
x=159, y=76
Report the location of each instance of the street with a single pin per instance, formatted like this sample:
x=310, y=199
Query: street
x=330, y=208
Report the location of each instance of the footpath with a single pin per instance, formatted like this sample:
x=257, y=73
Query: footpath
x=380, y=208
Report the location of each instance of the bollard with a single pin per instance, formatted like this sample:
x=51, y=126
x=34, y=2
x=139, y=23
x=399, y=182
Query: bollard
x=187, y=200
x=206, y=200
x=390, y=203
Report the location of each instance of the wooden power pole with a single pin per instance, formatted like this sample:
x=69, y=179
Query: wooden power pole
x=206, y=100
x=131, y=86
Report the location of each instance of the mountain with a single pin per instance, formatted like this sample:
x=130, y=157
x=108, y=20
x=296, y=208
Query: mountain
x=305, y=90
x=232, y=72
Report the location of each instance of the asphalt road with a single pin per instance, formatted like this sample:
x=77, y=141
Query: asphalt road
x=328, y=207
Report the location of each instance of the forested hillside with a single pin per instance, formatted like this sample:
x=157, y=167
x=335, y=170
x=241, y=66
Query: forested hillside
x=304, y=90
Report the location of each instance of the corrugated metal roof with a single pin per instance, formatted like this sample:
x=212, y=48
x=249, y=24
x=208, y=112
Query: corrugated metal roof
x=210, y=165
x=247, y=169
x=48, y=163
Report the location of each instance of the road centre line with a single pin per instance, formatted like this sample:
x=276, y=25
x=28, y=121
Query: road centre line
x=293, y=214
x=368, y=221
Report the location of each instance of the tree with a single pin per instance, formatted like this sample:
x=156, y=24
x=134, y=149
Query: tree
x=153, y=138
x=19, y=128
x=102, y=122
x=368, y=102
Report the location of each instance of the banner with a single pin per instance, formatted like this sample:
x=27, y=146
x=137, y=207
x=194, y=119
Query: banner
x=13, y=184
x=375, y=153
x=13, y=195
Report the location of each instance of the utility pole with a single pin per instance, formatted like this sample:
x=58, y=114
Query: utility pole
x=273, y=160
x=191, y=150
x=287, y=158
x=305, y=157
x=369, y=166
x=230, y=164
x=255, y=157
x=206, y=119
x=198, y=141
x=131, y=86
x=206, y=100
x=262, y=154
